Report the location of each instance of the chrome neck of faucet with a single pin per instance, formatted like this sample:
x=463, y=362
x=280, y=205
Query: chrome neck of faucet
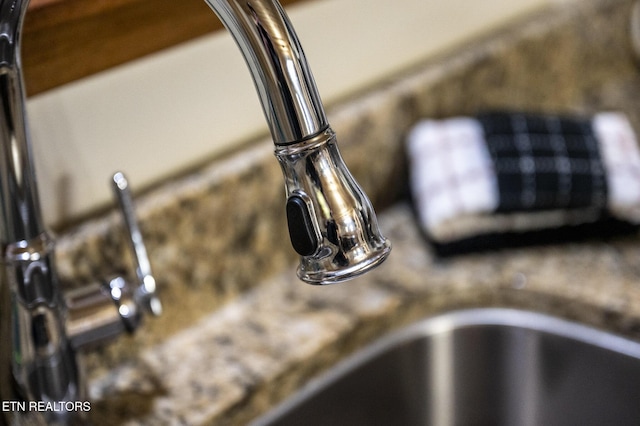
x=283, y=79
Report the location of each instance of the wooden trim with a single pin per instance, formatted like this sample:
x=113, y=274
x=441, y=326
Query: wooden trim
x=65, y=40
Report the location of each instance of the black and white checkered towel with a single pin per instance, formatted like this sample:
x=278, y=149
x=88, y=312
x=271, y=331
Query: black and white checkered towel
x=506, y=172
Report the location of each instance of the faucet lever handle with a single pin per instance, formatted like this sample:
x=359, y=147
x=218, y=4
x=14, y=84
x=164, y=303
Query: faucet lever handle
x=145, y=294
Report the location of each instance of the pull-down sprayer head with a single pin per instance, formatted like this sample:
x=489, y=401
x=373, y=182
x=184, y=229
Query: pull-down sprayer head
x=331, y=222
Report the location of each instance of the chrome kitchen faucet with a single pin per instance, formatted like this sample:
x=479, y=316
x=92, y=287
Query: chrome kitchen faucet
x=331, y=222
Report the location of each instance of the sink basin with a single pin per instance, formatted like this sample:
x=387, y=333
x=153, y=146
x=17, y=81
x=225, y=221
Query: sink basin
x=477, y=367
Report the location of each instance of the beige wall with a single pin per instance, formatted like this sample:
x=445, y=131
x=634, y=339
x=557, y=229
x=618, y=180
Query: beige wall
x=159, y=115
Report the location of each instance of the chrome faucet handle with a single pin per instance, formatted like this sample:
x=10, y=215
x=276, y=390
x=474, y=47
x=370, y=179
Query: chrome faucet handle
x=103, y=310
x=144, y=294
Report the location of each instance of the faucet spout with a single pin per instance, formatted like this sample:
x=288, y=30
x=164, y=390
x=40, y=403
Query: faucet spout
x=331, y=221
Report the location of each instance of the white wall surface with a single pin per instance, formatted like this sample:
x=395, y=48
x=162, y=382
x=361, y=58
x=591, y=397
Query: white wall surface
x=159, y=115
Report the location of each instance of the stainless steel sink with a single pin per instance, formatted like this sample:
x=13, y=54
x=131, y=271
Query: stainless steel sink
x=478, y=367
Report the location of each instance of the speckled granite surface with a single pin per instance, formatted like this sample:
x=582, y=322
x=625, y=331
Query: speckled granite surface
x=237, y=361
x=240, y=331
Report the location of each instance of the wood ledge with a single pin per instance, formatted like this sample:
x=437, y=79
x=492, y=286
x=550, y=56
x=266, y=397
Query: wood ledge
x=65, y=40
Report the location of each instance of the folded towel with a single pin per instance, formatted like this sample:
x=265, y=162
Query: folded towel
x=505, y=172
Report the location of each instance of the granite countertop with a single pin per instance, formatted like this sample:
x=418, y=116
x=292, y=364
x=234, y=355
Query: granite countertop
x=241, y=359
x=240, y=332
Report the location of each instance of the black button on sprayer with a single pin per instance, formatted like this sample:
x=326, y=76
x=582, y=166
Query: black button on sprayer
x=303, y=235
